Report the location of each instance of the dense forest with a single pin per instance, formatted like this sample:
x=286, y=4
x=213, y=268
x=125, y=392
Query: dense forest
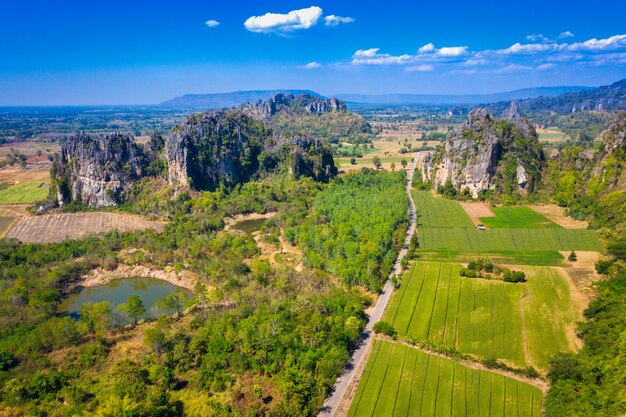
x=357, y=227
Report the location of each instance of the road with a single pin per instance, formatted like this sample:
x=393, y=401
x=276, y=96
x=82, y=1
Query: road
x=334, y=403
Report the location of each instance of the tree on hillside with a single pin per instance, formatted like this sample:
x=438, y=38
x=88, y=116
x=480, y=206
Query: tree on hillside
x=134, y=307
x=377, y=162
x=404, y=163
x=95, y=317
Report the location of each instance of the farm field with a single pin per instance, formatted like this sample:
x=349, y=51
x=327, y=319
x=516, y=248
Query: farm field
x=517, y=217
x=5, y=222
x=551, y=135
x=443, y=224
x=489, y=318
x=403, y=381
x=25, y=192
x=58, y=227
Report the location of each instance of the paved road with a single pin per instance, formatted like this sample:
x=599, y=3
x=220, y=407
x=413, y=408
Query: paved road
x=355, y=365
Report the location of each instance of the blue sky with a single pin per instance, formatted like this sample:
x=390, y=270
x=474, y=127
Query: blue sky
x=136, y=52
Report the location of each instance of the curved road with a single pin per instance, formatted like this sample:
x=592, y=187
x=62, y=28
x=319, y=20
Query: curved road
x=353, y=370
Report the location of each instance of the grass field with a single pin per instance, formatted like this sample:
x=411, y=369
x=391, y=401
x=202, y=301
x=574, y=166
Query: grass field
x=403, y=381
x=485, y=317
x=25, y=192
x=444, y=225
x=517, y=218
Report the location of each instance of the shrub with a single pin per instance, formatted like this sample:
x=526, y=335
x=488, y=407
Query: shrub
x=382, y=327
x=603, y=265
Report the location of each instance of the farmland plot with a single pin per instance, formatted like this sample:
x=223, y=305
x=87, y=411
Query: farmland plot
x=404, y=381
x=443, y=224
x=484, y=317
x=58, y=227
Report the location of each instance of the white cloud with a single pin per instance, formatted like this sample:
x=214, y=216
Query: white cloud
x=614, y=42
x=537, y=37
x=513, y=68
x=472, y=62
x=372, y=57
x=452, y=51
x=212, y=23
x=420, y=68
x=545, y=67
x=332, y=20
x=310, y=65
x=429, y=47
x=529, y=48
x=284, y=23
x=566, y=34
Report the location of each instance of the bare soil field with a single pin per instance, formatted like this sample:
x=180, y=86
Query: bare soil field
x=30, y=148
x=37, y=171
x=582, y=273
x=476, y=210
x=51, y=228
x=557, y=215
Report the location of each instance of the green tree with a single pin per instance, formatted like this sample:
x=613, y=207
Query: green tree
x=377, y=162
x=96, y=316
x=134, y=307
x=404, y=163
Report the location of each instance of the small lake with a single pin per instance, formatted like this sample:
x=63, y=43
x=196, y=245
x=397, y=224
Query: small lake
x=249, y=226
x=118, y=291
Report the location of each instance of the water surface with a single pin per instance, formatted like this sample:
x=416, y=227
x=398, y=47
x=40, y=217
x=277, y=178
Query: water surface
x=118, y=291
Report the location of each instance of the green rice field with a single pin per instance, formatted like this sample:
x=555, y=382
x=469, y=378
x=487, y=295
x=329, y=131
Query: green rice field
x=518, y=217
x=443, y=224
x=25, y=192
x=404, y=381
x=490, y=318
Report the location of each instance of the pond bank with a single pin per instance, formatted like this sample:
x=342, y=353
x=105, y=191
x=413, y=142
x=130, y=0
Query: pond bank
x=101, y=276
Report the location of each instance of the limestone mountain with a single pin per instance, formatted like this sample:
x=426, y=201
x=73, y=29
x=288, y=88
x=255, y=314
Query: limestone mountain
x=487, y=154
x=94, y=171
x=605, y=98
x=229, y=147
x=311, y=116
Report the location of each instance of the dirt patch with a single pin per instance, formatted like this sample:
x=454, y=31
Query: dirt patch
x=57, y=227
x=476, y=210
x=14, y=210
x=229, y=222
x=557, y=215
x=582, y=274
x=101, y=276
x=36, y=171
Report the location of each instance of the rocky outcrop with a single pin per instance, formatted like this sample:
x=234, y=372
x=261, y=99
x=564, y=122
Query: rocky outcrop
x=94, y=171
x=487, y=154
x=300, y=104
x=230, y=147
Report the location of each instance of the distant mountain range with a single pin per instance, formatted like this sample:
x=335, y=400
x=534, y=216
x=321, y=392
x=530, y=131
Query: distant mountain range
x=460, y=98
x=605, y=98
x=223, y=100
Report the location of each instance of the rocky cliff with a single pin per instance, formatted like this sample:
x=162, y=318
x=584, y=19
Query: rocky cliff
x=302, y=104
x=94, y=171
x=487, y=154
x=230, y=147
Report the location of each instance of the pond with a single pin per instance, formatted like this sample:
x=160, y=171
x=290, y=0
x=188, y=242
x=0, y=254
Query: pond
x=249, y=226
x=118, y=291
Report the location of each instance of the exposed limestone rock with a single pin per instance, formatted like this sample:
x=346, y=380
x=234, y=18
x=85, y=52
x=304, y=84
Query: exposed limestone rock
x=522, y=178
x=94, y=171
x=230, y=147
x=487, y=154
x=302, y=103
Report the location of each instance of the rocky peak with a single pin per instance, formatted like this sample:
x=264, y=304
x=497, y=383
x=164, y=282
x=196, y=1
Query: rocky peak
x=486, y=154
x=512, y=112
x=93, y=170
x=299, y=104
